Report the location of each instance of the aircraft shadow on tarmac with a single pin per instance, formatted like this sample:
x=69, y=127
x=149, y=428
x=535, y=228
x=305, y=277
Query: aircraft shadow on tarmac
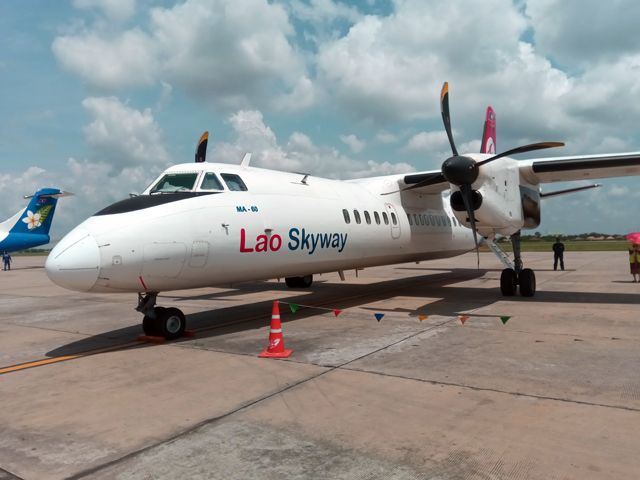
x=446, y=298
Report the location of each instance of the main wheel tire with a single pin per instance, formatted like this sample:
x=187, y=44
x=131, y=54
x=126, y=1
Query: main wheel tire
x=508, y=282
x=171, y=323
x=299, y=282
x=527, y=283
x=150, y=324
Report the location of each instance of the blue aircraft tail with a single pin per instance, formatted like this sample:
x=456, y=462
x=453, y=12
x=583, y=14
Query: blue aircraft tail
x=36, y=218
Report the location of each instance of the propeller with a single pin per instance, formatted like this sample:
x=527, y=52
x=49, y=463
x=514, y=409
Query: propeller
x=462, y=171
x=201, y=151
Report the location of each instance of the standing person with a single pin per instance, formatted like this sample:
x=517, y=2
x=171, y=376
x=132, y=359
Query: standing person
x=6, y=261
x=558, y=254
x=634, y=260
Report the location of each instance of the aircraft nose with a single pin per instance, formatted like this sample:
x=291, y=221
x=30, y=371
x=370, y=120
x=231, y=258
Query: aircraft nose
x=74, y=263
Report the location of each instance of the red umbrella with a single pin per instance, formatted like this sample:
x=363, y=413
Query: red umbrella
x=633, y=237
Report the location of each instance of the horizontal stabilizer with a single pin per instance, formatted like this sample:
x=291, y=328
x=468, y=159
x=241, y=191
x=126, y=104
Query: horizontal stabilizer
x=61, y=194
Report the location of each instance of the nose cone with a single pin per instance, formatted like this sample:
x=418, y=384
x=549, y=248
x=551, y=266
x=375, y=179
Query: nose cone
x=74, y=263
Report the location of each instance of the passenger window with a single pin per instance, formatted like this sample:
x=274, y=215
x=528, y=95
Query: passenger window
x=377, y=217
x=426, y=220
x=211, y=182
x=367, y=217
x=394, y=219
x=421, y=219
x=356, y=215
x=347, y=219
x=234, y=182
x=385, y=218
x=175, y=182
x=409, y=218
x=438, y=220
x=432, y=220
x=415, y=218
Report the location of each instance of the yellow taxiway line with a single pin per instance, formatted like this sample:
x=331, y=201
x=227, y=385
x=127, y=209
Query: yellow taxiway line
x=64, y=358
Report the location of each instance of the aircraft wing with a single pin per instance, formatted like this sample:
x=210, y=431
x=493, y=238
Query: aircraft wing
x=585, y=167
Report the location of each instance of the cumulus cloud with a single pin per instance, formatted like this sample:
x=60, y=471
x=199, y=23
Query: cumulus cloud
x=123, y=136
x=427, y=141
x=354, y=143
x=604, y=31
x=384, y=136
x=391, y=68
x=109, y=61
x=298, y=154
x=206, y=47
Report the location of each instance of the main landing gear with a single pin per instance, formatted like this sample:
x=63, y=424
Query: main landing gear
x=299, y=282
x=511, y=278
x=169, y=323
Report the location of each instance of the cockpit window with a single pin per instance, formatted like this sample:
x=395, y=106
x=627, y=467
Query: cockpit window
x=211, y=182
x=175, y=182
x=234, y=182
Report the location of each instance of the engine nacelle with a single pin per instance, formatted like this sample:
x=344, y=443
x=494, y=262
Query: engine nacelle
x=497, y=201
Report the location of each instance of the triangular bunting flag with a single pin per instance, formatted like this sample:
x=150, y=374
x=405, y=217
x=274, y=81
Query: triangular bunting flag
x=378, y=316
x=294, y=307
x=337, y=312
x=463, y=318
x=422, y=317
x=504, y=319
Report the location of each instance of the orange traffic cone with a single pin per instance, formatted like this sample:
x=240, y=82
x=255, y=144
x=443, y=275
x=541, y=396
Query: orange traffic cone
x=276, y=340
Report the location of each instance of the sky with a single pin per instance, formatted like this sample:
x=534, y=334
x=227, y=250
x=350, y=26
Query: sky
x=99, y=96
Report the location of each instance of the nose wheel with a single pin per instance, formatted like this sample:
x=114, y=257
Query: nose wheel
x=169, y=323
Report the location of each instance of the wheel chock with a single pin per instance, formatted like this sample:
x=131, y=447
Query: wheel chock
x=151, y=339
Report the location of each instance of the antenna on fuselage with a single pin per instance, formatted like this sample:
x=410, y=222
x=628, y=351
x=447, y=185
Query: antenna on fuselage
x=245, y=160
x=201, y=151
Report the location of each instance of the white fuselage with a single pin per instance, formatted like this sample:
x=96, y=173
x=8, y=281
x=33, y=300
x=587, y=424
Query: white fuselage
x=280, y=227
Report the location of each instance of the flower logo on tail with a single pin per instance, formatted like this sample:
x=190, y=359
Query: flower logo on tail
x=34, y=220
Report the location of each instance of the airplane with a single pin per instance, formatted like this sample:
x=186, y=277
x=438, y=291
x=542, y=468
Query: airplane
x=30, y=226
x=208, y=224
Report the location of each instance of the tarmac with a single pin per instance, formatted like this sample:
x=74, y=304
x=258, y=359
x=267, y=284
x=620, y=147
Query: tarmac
x=554, y=393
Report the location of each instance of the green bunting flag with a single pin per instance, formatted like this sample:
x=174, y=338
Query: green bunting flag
x=504, y=319
x=378, y=316
x=294, y=307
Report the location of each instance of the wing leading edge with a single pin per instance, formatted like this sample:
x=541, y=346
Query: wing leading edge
x=584, y=167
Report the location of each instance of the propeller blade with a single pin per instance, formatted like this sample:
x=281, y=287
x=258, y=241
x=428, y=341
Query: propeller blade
x=466, y=194
x=201, y=151
x=523, y=149
x=432, y=180
x=446, y=119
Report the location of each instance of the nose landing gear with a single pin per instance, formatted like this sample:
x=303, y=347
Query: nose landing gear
x=511, y=278
x=169, y=323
